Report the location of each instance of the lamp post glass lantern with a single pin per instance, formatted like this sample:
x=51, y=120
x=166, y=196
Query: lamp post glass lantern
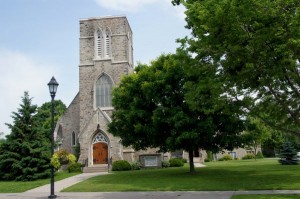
x=52, y=89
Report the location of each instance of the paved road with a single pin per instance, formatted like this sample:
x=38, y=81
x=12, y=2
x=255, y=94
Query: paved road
x=143, y=195
x=44, y=191
x=126, y=195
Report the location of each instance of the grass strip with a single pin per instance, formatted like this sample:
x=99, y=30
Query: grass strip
x=20, y=186
x=265, y=174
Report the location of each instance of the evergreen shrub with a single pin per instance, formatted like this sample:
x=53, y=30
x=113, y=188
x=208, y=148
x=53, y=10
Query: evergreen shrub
x=25, y=154
x=121, y=165
x=76, y=150
x=176, y=162
x=288, y=154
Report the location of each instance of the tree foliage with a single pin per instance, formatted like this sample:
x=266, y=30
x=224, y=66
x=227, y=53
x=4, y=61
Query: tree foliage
x=44, y=115
x=255, y=45
x=255, y=134
x=1, y=138
x=288, y=154
x=155, y=107
x=25, y=154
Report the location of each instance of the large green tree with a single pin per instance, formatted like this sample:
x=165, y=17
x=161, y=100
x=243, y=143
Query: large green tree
x=255, y=45
x=43, y=115
x=153, y=109
x=1, y=138
x=255, y=134
x=25, y=154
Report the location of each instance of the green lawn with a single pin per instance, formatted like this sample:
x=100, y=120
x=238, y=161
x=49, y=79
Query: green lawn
x=19, y=186
x=230, y=175
x=283, y=196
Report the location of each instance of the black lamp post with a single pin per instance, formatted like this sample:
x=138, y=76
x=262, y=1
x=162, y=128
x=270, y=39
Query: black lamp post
x=52, y=89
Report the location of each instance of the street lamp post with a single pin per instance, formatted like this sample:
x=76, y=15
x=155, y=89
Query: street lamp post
x=52, y=89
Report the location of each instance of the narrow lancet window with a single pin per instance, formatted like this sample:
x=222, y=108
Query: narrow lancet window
x=107, y=42
x=73, y=139
x=99, y=42
x=103, y=91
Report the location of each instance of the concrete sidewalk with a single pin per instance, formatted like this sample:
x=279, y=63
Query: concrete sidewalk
x=60, y=185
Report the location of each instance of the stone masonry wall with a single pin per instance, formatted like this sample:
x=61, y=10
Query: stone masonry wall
x=69, y=123
x=91, y=68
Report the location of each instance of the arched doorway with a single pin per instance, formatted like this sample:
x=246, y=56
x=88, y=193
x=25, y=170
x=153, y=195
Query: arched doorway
x=100, y=149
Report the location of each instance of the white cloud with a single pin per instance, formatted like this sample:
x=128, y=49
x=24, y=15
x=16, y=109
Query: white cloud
x=179, y=11
x=138, y=5
x=19, y=73
x=124, y=5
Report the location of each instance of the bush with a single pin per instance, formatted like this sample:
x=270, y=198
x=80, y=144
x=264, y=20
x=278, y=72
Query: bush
x=136, y=166
x=176, y=162
x=76, y=150
x=248, y=156
x=207, y=160
x=259, y=155
x=121, y=165
x=75, y=167
x=165, y=164
x=226, y=158
x=183, y=160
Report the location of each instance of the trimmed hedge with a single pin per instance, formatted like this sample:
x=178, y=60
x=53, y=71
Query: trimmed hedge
x=121, y=165
x=248, y=156
x=75, y=167
x=176, y=162
x=226, y=158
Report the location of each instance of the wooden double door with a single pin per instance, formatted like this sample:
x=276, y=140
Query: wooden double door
x=100, y=153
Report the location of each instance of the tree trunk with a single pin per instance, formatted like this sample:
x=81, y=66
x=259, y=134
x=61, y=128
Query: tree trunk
x=191, y=160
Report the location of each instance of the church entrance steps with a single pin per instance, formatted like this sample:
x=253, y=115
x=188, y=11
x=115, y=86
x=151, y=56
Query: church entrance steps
x=96, y=168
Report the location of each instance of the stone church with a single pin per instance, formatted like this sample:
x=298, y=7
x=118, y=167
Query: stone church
x=106, y=55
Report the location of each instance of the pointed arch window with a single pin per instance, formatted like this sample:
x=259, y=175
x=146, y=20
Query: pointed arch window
x=103, y=91
x=102, y=43
x=107, y=42
x=99, y=44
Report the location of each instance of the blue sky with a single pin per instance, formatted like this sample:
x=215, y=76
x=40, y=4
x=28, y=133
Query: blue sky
x=40, y=39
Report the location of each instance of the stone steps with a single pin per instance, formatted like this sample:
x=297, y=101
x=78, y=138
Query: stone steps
x=94, y=169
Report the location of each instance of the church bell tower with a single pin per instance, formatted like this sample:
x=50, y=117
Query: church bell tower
x=106, y=54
